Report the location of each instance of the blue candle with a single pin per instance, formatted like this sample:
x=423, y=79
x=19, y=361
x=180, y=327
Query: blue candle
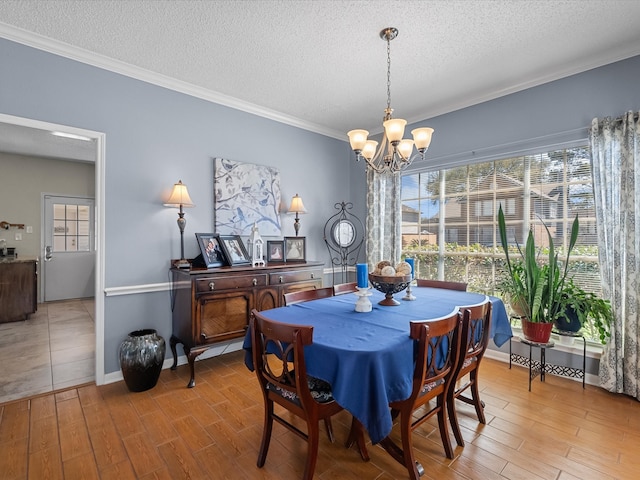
x=411, y=262
x=362, y=274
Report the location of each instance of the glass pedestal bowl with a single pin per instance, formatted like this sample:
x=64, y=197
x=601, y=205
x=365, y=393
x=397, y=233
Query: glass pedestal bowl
x=389, y=285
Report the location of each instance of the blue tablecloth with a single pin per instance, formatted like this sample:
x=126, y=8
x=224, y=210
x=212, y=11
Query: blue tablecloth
x=368, y=357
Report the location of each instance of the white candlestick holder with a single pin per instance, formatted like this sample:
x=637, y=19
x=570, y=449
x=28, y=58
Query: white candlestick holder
x=363, y=304
x=408, y=295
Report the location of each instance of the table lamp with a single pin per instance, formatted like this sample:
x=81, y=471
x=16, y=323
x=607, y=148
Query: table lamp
x=297, y=207
x=179, y=198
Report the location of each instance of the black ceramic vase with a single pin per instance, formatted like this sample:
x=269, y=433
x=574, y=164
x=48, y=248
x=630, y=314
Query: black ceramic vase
x=141, y=359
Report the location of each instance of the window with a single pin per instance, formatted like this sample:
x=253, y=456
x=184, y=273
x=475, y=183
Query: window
x=71, y=228
x=456, y=210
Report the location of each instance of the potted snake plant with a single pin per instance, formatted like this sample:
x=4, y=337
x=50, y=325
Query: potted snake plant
x=535, y=286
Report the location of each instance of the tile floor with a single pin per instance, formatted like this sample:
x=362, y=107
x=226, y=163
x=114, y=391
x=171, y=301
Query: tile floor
x=53, y=349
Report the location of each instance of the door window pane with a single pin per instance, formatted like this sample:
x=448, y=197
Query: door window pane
x=71, y=228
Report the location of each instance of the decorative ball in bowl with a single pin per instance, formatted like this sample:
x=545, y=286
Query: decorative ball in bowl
x=389, y=285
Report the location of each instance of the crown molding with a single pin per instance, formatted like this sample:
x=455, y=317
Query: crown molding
x=82, y=55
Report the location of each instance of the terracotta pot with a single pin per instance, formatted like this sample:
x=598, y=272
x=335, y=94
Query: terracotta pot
x=536, y=332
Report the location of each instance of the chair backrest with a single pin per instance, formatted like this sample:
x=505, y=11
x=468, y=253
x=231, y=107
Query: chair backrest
x=438, y=349
x=278, y=355
x=343, y=288
x=476, y=327
x=423, y=282
x=306, y=295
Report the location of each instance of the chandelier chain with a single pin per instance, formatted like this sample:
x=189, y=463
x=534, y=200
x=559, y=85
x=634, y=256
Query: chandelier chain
x=388, y=73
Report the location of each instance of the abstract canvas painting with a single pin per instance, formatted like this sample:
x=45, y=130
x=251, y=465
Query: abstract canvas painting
x=245, y=194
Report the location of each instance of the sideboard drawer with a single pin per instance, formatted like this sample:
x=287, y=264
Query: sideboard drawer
x=294, y=276
x=213, y=284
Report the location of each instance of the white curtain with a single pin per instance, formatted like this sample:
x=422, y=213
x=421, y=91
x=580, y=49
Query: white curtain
x=384, y=217
x=615, y=152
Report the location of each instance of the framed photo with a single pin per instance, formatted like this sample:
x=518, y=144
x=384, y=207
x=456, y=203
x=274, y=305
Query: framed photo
x=275, y=251
x=295, y=249
x=211, y=250
x=234, y=249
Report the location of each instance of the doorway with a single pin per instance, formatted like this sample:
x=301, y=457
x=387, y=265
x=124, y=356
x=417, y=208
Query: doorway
x=38, y=138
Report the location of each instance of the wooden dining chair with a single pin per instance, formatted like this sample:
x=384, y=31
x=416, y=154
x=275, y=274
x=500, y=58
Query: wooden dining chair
x=300, y=296
x=431, y=379
x=423, y=282
x=342, y=288
x=278, y=360
x=476, y=325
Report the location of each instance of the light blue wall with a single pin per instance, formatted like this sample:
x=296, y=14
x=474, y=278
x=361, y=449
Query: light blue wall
x=554, y=112
x=154, y=137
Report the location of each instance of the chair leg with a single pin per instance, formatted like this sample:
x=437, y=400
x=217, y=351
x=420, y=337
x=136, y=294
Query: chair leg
x=444, y=431
x=453, y=419
x=329, y=427
x=407, y=446
x=475, y=394
x=312, y=449
x=266, y=432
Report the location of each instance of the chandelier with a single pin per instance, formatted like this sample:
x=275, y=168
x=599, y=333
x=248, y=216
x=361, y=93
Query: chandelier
x=395, y=153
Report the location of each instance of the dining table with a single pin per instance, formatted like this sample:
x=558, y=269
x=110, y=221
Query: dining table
x=368, y=357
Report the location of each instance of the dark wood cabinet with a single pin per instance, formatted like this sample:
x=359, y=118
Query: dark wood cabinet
x=214, y=305
x=18, y=289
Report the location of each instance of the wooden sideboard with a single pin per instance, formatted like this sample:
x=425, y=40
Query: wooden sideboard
x=18, y=288
x=214, y=305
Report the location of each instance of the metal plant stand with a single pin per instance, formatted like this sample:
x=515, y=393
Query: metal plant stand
x=541, y=367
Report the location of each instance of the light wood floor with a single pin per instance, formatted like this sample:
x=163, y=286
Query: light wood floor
x=558, y=431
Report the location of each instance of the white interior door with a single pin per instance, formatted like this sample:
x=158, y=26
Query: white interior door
x=68, y=266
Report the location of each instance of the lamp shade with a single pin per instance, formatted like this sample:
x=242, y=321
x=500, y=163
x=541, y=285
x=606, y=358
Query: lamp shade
x=369, y=149
x=179, y=196
x=296, y=205
x=357, y=139
x=406, y=147
x=422, y=137
x=394, y=128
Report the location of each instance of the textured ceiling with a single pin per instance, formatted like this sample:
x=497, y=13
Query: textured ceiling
x=321, y=64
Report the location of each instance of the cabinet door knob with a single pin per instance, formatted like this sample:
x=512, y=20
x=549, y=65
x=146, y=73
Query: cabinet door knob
x=280, y=279
x=312, y=275
x=255, y=282
x=212, y=285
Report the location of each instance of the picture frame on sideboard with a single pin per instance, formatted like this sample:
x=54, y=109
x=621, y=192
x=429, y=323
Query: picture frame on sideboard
x=234, y=249
x=275, y=251
x=211, y=250
x=295, y=249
